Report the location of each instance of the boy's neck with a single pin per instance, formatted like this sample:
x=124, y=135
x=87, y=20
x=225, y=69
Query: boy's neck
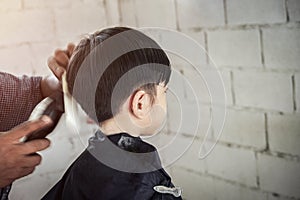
x=112, y=127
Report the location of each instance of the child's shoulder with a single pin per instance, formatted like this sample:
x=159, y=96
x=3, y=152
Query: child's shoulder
x=132, y=144
x=91, y=174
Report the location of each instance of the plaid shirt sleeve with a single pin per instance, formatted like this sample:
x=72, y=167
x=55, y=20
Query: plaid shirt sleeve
x=18, y=97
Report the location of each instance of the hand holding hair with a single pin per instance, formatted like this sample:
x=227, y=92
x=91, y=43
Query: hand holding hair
x=58, y=64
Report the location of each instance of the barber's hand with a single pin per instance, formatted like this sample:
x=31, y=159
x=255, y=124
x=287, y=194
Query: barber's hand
x=18, y=159
x=58, y=64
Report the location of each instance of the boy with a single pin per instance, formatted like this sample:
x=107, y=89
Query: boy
x=119, y=76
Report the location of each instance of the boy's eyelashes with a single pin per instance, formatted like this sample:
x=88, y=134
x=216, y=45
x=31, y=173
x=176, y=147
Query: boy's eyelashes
x=166, y=90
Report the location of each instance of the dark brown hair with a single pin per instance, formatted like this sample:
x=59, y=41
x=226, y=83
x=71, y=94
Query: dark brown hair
x=99, y=58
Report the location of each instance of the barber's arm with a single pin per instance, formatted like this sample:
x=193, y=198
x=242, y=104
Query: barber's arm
x=18, y=97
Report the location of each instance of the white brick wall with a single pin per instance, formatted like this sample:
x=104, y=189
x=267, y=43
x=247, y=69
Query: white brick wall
x=141, y=13
x=255, y=11
x=256, y=47
x=20, y=66
x=284, y=133
x=232, y=164
x=297, y=91
x=235, y=48
x=195, y=13
x=245, y=128
x=190, y=159
x=127, y=13
x=86, y=17
x=26, y=26
x=201, y=186
x=271, y=91
x=294, y=9
x=194, y=56
x=40, y=53
x=226, y=191
x=113, y=16
x=279, y=175
x=197, y=52
x=204, y=83
x=282, y=48
x=206, y=187
x=148, y=14
x=36, y=4
x=184, y=117
x=31, y=58
x=8, y=5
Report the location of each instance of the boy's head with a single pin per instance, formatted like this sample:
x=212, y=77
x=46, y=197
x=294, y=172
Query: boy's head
x=125, y=78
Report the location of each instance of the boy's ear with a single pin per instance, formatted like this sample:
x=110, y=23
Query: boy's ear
x=140, y=104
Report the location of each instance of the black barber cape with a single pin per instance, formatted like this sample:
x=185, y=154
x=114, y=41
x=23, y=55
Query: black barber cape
x=88, y=178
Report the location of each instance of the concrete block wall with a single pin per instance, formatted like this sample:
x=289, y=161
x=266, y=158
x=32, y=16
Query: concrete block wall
x=255, y=45
x=34, y=29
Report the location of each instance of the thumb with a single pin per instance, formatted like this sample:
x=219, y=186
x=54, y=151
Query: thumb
x=27, y=127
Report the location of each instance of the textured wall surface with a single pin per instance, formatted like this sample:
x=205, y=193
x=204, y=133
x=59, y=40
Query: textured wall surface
x=256, y=46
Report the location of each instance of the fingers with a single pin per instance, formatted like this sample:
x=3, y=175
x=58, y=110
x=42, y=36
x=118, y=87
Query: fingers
x=70, y=49
x=58, y=63
x=21, y=172
x=33, y=146
x=26, y=128
x=56, y=69
x=26, y=171
x=61, y=58
x=13, y=174
x=31, y=160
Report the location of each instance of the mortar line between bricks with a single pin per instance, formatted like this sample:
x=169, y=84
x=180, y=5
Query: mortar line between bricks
x=266, y=132
x=120, y=12
x=108, y=18
x=274, y=194
x=281, y=155
x=294, y=93
x=233, y=27
x=176, y=15
x=247, y=108
x=287, y=11
x=225, y=12
x=135, y=16
x=22, y=5
x=206, y=48
x=256, y=166
x=232, y=88
x=262, y=48
x=221, y=142
x=256, y=68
